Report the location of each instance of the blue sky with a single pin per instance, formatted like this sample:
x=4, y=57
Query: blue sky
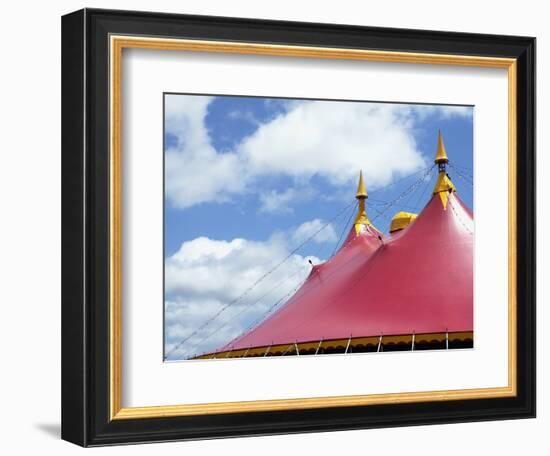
x=250, y=178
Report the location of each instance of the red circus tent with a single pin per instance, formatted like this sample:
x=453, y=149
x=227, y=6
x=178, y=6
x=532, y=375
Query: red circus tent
x=411, y=289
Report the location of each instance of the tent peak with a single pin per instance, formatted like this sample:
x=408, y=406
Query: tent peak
x=441, y=154
x=361, y=189
x=362, y=219
x=443, y=185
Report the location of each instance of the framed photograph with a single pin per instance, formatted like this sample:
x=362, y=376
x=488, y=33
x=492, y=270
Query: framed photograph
x=277, y=227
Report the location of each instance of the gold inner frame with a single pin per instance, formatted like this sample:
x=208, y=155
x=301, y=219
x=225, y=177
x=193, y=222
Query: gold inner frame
x=117, y=44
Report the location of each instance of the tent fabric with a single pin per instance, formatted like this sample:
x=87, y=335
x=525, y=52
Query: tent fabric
x=416, y=280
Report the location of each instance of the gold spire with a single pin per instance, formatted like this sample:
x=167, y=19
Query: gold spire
x=361, y=219
x=361, y=190
x=441, y=155
x=443, y=185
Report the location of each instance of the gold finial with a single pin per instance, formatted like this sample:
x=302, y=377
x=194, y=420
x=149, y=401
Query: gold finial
x=361, y=220
x=441, y=155
x=443, y=186
x=361, y=190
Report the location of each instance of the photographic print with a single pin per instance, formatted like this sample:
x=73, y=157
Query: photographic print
x=223, y=209
x=310, y=227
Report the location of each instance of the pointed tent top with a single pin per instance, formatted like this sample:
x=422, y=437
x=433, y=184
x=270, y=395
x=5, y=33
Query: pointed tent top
x=361, y=189
x=443, y=183
x=441, y=155
x=443, y=186
x=361, y=220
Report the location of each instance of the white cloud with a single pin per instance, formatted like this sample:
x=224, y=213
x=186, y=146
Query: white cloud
x=320, y=230
x=335, y=140
x=331, y=140
x=281, y=202
x=195, y=173
x=204, y=275
x=275, y=201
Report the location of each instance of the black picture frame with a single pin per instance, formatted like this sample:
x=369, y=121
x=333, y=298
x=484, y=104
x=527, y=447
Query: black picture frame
x=85, y=228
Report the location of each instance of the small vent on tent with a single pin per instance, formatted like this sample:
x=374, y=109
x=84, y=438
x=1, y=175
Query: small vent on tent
x=401, y=220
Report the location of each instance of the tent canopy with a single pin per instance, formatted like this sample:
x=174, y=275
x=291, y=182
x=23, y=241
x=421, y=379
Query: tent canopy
x=416, y=280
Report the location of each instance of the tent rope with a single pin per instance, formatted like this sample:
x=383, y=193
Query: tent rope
x=405, y=192
x=462, y=175
x=385, y=187
x=273, y=306
x=451, y=204
x=244, y=309
x=344, y=229
x=464, y=169
x=422, y=193
x=249, y=289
